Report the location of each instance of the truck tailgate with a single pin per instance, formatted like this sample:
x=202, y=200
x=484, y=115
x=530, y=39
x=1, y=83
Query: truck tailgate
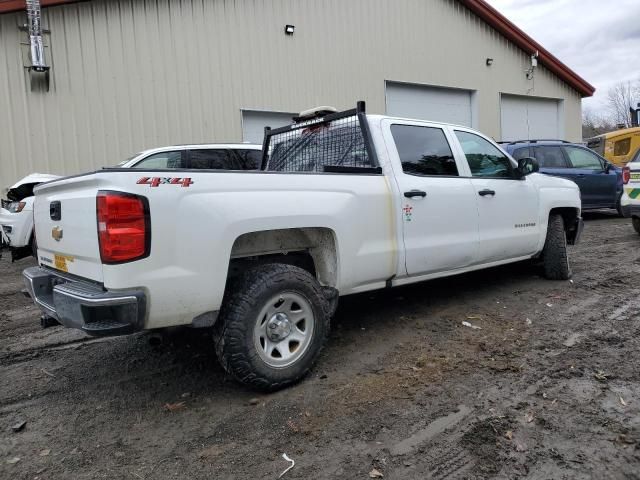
x=66, y=226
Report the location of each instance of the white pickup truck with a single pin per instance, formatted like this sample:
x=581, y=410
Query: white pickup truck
x=345, y=203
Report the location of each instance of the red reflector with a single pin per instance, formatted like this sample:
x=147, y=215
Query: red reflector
x=626, y=175
x=123, y=227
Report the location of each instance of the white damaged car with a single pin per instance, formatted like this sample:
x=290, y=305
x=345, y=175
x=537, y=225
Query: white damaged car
x=16, y=216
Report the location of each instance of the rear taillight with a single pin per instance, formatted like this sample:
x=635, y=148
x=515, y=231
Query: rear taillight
x=626, y=175
x=124, y=230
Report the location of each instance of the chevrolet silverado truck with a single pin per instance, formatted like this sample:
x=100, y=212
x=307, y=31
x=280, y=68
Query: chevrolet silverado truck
x=344, y=203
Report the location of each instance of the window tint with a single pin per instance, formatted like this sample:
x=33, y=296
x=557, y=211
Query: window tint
x=161, y=160
x=582, y=158
x=485, y=160
x=423, y=150
x=225, y=159
x=249, y=159
x=210, y=159
x=622, y=147
x=550, y=157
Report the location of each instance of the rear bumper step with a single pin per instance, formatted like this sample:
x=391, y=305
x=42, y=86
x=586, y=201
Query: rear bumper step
x=86, y=306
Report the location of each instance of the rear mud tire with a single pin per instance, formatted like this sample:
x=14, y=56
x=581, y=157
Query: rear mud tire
x=245, y=301
x=635, y=221
x=555, y=259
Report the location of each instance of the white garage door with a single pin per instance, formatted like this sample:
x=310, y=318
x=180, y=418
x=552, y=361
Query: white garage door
x=529, y=118
x=429, y=103
x=253, y=123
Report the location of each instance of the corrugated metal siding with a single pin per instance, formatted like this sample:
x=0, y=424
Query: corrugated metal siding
x=132, y=74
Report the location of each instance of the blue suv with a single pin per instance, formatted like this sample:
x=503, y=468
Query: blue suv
x=600, y=181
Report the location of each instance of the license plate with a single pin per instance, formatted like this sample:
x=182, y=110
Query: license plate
x=60, y=262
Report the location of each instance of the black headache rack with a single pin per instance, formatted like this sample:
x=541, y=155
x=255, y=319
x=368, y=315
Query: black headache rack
x=337, y=142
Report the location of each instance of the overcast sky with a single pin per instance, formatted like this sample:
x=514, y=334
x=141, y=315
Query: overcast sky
x=599, y=40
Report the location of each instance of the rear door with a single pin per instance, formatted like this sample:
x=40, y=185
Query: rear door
x=439, y=213
x=507, y=207
x=598, y=188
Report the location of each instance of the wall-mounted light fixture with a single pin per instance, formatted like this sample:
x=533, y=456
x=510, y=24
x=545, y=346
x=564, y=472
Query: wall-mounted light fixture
x=534, y=64
x=289, y=29
x=489, y=62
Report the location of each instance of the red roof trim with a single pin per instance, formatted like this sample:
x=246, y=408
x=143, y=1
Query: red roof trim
x=503, y=25
x=480, y=7
x=7, y=6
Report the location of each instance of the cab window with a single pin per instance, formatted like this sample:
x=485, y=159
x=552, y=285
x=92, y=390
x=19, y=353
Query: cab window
x=249, y=159
x=485, y=160
x=582, y=158
x=622, y=147
x=161, y=160
x=424, y=150
x=212, y=159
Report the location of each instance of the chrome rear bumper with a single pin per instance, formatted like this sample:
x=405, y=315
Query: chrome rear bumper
x=85, y=305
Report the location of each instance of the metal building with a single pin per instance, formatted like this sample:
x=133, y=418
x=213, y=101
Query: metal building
x=124, y=75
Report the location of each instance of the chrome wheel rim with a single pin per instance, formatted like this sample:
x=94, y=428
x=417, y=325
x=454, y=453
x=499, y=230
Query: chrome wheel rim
x=283, y=329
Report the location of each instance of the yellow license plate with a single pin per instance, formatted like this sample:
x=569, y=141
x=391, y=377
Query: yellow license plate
x=60, y=262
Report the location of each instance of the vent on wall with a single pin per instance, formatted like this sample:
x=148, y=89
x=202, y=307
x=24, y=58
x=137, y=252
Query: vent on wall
x=34, y=57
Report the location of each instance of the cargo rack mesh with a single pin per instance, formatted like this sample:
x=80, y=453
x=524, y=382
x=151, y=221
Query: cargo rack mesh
x=336, y=142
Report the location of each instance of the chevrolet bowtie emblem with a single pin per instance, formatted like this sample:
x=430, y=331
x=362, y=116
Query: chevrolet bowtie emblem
x=56, y=233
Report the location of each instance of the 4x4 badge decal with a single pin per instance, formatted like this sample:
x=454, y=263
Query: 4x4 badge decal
x=155, y=181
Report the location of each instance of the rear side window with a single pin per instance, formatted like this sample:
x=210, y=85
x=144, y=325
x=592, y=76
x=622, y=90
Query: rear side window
x=550, y=157
x=212, y=159
x=582, y=158
x=485, y=160
x=622, y=147
x=249, y=159
x=162, y=160
x=424, y=150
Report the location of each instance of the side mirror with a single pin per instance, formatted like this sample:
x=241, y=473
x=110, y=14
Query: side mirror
x=527, y=166
x=607, y=167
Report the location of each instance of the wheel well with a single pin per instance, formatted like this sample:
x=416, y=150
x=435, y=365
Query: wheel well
x=313, y=249
x=568, y=215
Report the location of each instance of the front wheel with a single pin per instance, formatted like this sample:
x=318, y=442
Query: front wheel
x=554, y=254
x=273, y=323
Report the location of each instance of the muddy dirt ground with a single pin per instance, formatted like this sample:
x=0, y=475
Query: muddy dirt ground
x=548, y=387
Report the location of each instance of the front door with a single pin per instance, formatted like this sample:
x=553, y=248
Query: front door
x=438, y=207
x=507, y=207
x=597, y=186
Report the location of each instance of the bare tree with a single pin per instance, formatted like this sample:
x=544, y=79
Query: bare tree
x=594, y=123
x=621, y=98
